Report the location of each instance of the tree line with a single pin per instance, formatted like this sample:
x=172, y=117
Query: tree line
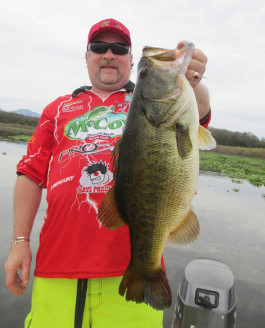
x=237, y=139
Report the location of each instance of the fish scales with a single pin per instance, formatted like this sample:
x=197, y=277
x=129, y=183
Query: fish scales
x=157, y=166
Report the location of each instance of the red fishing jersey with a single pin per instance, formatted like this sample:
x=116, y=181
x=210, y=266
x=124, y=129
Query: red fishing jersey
x=70, y=155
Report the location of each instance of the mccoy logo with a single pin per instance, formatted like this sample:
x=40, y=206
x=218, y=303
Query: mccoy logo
x=100, y=123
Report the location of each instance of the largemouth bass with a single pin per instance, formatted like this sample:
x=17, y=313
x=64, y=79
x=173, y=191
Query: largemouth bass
x=156, y=170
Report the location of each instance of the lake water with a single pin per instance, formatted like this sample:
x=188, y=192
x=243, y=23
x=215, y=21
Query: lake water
x=232, y=231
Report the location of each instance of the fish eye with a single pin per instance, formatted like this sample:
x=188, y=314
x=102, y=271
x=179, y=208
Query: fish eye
x=143, y=72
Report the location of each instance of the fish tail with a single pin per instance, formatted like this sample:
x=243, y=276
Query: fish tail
x=150, y=287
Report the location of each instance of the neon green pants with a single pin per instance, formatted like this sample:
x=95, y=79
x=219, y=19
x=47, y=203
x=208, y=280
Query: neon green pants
x=86, y=303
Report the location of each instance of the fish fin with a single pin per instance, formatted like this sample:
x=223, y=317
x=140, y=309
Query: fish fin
x=150, y=287
x=187, y=231
x=108, y=213
x=115, y=158
x=183, y=141
x=206, y=140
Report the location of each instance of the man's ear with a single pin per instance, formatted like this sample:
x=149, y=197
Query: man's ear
x=86, y=55
x=131, y=58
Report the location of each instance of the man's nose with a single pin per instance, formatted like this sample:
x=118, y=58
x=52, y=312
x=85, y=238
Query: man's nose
x=109, y=54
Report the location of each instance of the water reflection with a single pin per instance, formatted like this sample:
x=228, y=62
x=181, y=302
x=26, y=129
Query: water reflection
x=232, y=231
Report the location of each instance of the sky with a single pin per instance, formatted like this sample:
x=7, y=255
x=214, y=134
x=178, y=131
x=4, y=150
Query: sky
x=43, y=47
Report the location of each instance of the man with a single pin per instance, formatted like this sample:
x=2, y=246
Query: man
x=79, y=263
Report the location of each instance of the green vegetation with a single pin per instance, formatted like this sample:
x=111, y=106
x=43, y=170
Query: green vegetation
x=16, y=127
x=243, y=151
x=17, y=134
x=22, y=137
x=237, y=167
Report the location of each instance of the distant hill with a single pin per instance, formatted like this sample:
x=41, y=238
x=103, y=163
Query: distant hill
x=15, y=118
x=26, y=112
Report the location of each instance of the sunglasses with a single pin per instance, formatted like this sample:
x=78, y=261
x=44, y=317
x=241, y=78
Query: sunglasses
x=102, y=47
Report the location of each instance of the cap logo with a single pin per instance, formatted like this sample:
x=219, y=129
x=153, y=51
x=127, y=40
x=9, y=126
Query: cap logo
x=108, y=23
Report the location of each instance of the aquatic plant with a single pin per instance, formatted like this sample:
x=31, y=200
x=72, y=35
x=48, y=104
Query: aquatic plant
x=236, y=167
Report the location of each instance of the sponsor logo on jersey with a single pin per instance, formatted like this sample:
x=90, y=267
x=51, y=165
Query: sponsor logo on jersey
x=95, y=178
x=58, y=183
x=72, y=106
x=84, y=149
x=32, y=139
x=100, y=123
x=123, y=106
x=128, y=96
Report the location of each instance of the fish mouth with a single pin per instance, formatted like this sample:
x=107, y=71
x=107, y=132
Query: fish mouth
x=160, y=54
x=166, y=55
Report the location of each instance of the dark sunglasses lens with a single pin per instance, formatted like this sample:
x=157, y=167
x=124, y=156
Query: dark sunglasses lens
x=102, y=48
x=119, y=49
x=99, y=48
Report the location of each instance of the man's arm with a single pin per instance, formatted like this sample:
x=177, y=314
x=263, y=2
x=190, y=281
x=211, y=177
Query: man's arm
x=27, y=197
x=203, y=100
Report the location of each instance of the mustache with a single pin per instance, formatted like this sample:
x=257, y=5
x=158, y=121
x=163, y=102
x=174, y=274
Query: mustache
x=108, y=63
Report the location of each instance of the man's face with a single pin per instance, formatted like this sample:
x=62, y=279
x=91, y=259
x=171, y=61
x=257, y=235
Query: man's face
x=108, y=72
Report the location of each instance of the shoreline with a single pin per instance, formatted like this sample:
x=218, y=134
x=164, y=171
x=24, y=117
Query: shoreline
x=233, y=164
